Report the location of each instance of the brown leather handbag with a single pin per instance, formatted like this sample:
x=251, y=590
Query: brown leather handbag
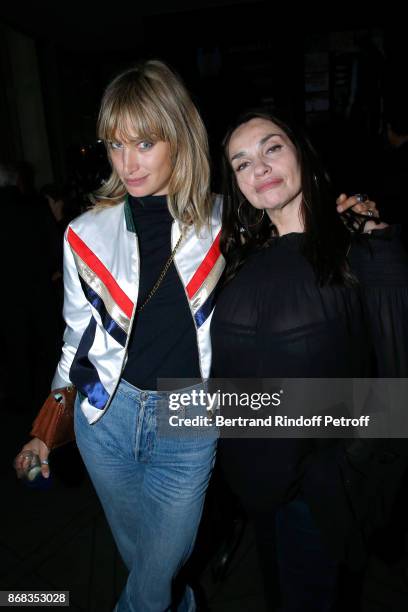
x=54, y=424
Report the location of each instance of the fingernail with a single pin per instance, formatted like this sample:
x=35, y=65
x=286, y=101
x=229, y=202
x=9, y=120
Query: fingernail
x=339, y=209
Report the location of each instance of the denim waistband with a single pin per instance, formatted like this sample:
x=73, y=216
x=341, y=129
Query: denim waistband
x=130, y=390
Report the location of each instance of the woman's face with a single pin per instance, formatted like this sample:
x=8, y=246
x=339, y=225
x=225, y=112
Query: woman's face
x=144, y=166
x=265, y=164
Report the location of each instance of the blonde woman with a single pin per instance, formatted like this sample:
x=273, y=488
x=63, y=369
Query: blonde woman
x=140, y=273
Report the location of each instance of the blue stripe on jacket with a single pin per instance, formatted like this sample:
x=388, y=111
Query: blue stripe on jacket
x=204, y=312
x=83, y=373
x=108, y=323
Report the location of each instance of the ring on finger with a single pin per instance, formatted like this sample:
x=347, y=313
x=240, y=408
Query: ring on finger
x=361, y=197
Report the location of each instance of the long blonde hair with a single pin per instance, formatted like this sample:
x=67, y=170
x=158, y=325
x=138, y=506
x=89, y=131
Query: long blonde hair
x=151, y=101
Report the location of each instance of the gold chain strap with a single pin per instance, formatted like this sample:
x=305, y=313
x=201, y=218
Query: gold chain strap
x=160, y=279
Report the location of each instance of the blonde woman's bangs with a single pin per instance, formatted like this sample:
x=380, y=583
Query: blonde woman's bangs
x=130, y=117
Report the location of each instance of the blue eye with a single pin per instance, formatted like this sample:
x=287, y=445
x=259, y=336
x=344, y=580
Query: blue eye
x=145, y=145
x=115, y=145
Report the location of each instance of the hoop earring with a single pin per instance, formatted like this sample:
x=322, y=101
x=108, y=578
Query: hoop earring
x=252, y=224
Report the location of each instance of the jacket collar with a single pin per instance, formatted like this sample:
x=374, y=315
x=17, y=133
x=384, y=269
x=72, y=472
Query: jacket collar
x=130, y=225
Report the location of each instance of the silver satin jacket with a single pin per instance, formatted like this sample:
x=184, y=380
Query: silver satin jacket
x=101, y=283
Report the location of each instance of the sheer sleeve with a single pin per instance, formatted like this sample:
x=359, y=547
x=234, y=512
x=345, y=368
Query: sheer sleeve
x=380, y=263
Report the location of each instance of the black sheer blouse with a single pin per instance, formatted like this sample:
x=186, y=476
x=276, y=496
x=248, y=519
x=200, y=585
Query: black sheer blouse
x=273, y=320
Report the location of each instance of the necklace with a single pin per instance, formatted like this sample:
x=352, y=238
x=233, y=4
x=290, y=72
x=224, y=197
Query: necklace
x=161, y=277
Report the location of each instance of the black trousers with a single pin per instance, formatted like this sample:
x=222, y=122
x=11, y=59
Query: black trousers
x=298, y=572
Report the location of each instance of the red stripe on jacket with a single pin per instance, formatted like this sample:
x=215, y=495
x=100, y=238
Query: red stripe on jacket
x=204, y=268
x=95, y=264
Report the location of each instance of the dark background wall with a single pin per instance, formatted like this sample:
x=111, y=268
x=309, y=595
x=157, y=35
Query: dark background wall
x=336, y=72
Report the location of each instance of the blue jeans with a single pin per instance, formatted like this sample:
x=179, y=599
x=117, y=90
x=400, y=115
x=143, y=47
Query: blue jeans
x=151, y=485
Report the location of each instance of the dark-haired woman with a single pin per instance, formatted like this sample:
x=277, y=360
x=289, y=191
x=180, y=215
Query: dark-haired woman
x=302, y=299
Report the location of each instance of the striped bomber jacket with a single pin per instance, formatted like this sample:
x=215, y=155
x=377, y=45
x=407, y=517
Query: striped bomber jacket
x=101, y=281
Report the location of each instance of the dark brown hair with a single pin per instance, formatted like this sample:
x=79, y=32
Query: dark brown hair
x=326, y=240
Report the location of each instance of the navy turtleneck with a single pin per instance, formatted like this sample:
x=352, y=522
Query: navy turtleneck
x=163, y=340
